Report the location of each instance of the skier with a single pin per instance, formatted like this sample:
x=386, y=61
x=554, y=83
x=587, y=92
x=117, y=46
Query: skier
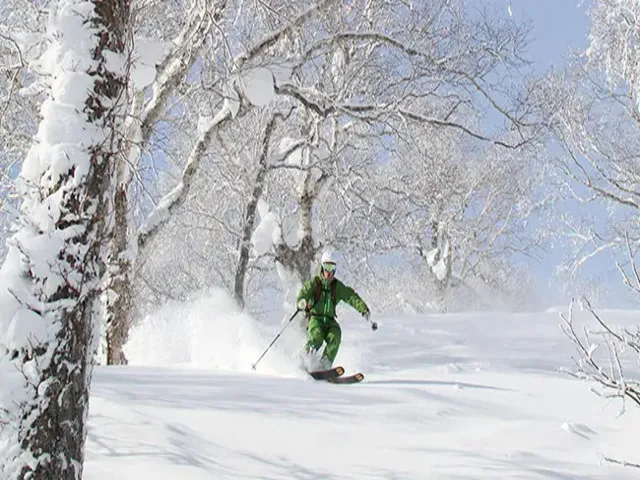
x=318, y=298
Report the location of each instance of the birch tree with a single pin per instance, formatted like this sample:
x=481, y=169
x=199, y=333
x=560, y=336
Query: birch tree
x=54, y=270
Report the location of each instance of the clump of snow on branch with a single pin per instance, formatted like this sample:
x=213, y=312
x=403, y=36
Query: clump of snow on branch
x=436, y=259
x=146, y=55
x=231, y=101
x=161, y=213
x=258, y=86
x=267, y=231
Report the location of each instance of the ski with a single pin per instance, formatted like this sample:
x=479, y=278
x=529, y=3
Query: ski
x=332, y=373
x=355, y=378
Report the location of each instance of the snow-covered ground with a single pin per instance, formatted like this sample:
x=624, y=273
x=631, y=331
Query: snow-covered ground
x=445, y=397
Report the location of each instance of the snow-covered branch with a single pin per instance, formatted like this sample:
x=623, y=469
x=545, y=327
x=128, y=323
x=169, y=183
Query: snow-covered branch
x=614, y=379
x=179, y=61
x=177, y=196
x=324, y=107
x=273, y=37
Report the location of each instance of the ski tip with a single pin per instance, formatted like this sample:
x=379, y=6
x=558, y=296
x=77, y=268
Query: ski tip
x=326, y=374
x=355, y=378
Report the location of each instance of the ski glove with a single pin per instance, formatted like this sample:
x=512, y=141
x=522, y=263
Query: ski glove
x=302, y=304
x=367, y=316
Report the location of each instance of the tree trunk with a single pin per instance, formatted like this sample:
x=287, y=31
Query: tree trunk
x=119, y=298
x=300, y=258
x=250, y=214
x=441, y=256
x=119, y=294
x=49, y=420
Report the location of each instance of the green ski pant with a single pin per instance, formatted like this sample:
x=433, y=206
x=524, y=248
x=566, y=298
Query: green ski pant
x=321, y=330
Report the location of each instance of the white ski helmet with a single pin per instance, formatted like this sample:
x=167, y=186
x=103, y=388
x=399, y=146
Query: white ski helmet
x=327, y=257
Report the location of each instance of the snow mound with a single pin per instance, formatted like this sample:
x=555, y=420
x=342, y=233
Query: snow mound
x=258, y=85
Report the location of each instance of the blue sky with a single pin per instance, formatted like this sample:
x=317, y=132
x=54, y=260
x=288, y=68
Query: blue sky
x=558, y=26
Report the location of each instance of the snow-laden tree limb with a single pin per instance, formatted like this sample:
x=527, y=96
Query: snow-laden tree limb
x=380, y=112
x=178, y=195
x=177, y=64
x=273, y=37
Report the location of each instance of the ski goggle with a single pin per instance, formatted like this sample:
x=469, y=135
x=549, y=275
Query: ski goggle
x=329, y=267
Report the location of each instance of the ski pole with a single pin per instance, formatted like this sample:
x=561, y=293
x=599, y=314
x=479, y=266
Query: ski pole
x=374, y=325
x=274, y=340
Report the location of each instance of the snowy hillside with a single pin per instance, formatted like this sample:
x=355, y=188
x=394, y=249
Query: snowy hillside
x=445, y=397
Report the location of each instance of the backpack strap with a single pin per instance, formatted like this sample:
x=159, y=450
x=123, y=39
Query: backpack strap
x=333, y=292
x=318, y=292
x=333, y=297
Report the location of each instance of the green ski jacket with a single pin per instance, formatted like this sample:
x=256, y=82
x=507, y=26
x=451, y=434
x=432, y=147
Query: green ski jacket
x=325, y=305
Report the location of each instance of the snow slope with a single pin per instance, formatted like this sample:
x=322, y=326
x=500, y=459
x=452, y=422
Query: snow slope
x=445, y=397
